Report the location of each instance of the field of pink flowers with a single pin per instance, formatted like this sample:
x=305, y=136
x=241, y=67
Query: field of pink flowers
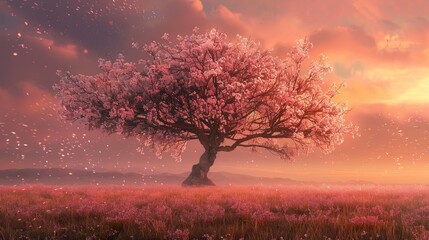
x=166, y=212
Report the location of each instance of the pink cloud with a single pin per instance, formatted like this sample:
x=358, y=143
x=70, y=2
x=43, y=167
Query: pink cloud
x=68, y=50
x=197, y=5
x=343, y=39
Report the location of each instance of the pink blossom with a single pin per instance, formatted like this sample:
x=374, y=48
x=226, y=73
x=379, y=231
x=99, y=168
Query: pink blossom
x=203, y=87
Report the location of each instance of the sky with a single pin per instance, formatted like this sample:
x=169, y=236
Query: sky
x=379, y=50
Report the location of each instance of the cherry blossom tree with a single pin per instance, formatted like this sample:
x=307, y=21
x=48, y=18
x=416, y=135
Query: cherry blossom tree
x=223, y=94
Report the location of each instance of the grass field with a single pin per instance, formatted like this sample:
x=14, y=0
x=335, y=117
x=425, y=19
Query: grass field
x=172, y=212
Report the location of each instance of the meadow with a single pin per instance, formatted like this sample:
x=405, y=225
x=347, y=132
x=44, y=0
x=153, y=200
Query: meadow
x=173, y=212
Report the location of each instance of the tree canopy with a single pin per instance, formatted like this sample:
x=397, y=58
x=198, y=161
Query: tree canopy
x=202, y=87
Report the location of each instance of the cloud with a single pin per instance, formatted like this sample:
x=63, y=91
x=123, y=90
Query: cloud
x=228, y=21
x=105, y=27
x=68, y=50
x=358, y=29
x=388, y=134
x=197, y=5
x=228, y=16
x=37, y=59
x=343, y=39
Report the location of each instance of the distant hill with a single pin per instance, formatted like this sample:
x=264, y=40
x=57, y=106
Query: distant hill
x=226, y=178
x=58, y=176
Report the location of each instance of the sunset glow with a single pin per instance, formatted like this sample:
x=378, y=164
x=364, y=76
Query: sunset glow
x=379, y=50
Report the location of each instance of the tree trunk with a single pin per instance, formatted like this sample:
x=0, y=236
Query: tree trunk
x=198, y=176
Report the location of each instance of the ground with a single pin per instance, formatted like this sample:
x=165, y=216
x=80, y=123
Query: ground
x=173, y=212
